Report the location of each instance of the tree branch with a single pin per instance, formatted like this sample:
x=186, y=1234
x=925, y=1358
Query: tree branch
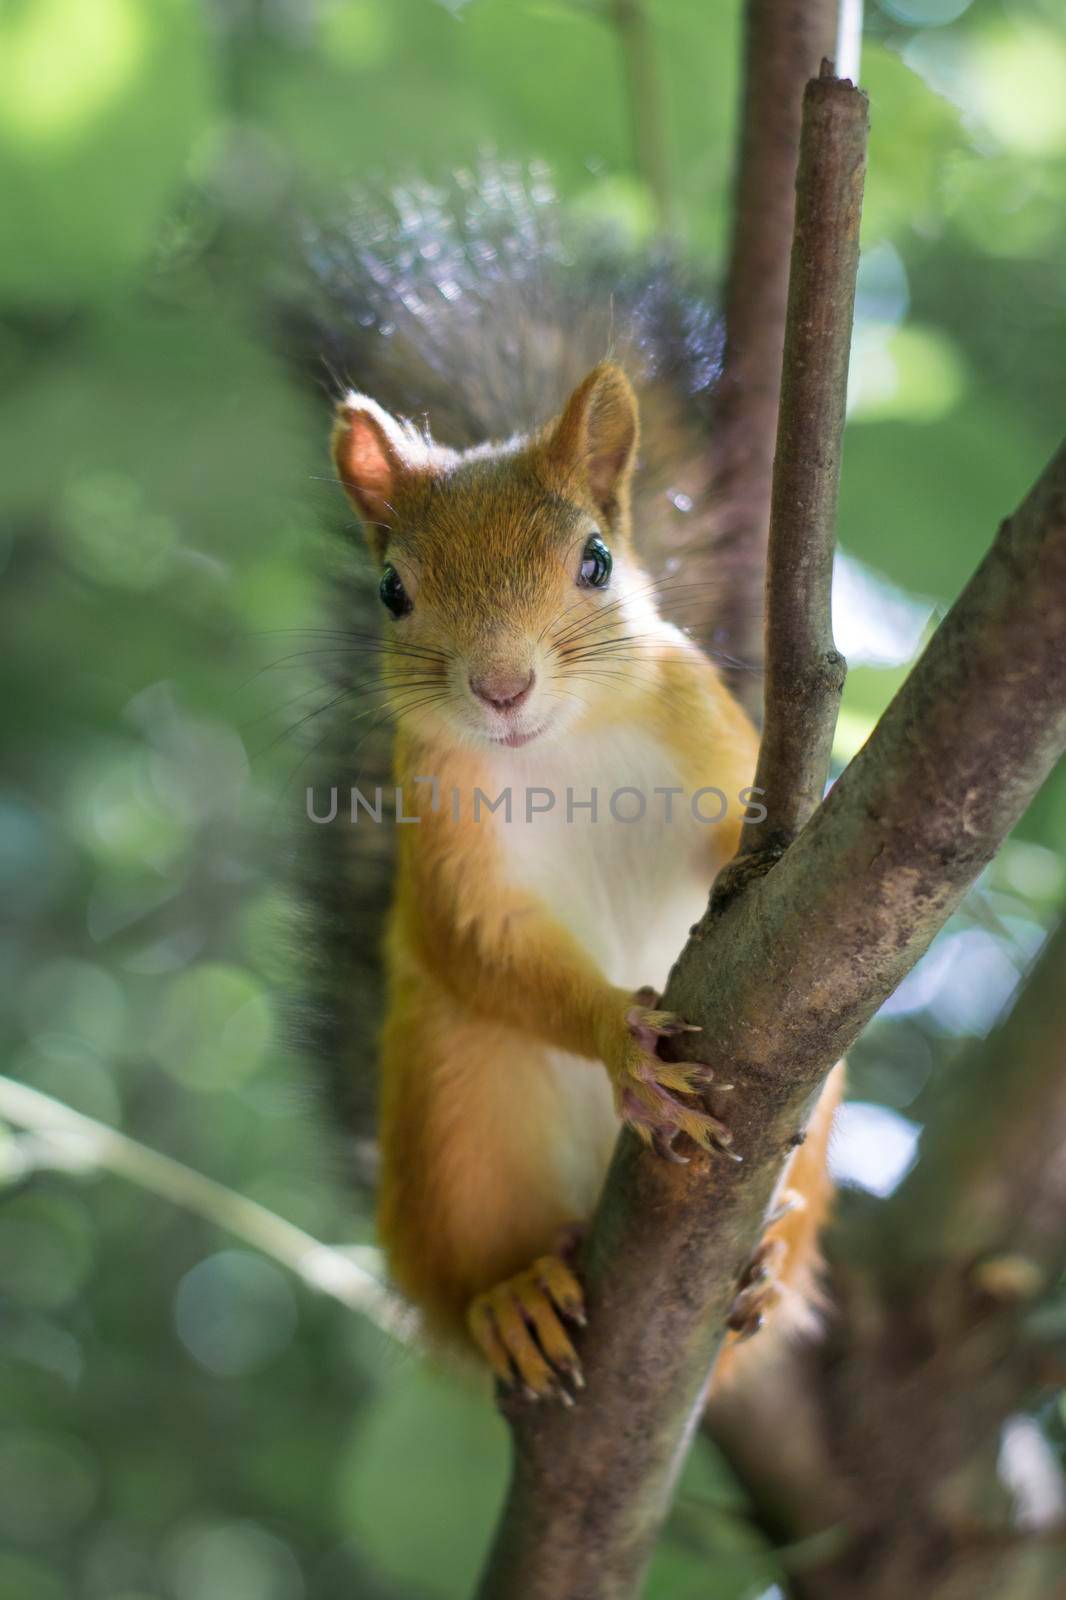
x=804, y=670
x=782, y=978
x=784, y=42
x=646, y=109
x=69, y=1139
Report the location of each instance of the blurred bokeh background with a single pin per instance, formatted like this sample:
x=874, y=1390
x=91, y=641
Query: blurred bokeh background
x=181, y=1416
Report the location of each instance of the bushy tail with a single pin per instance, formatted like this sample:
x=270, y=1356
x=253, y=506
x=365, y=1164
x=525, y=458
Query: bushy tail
x=478, y=307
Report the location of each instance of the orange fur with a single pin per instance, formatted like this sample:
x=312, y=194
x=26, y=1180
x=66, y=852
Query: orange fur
x=514, y=956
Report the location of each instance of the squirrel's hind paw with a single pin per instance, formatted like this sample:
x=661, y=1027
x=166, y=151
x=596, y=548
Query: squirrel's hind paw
x=758, y=1290
x=518, y=1327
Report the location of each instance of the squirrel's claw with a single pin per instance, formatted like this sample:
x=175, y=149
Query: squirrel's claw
x=648, y=1026
x=519, y=1329
x=758, y=1290
x=662, y=1142
x=660, y=1099
x=654, y=1114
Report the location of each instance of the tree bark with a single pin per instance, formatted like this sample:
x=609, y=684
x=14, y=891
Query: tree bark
x=804, y=670
x=784, y=42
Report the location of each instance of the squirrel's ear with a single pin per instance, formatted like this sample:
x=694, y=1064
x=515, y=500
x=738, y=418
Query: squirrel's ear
x=372, y=453
x=594, y=442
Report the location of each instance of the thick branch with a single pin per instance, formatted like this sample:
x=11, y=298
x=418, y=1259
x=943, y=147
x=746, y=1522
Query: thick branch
x=804, y=671
x=782, y=978
x=784, y=42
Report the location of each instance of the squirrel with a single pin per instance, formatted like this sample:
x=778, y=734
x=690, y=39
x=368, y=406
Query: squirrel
x=575, y=772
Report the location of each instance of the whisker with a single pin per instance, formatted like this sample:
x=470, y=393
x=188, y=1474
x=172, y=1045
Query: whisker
x=288, y=732
x=337, y=654
x=655, y=586
x=348, y=634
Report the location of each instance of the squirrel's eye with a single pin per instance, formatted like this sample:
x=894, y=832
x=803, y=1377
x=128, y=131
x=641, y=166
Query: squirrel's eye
x=393, y=594
x=595, y=564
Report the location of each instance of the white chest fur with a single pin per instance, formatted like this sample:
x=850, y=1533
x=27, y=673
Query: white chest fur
x=627, y=881
x=627, y=890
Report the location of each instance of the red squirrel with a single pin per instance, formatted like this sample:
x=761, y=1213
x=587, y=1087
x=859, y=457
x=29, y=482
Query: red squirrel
x=525, y=652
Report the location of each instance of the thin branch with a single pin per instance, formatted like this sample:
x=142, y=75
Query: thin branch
x=80, y=1142
x=646, y=109
x=804, y=670
x=782, y=978
x=784, y=41
x=629, y=19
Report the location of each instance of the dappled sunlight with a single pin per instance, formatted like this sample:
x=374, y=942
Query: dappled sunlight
x=65, y=63
x=875, y=623
x=872, y=1147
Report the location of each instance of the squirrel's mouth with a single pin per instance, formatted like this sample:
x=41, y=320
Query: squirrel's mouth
x=515, y=740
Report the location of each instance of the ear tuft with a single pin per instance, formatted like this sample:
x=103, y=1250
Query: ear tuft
x=372, y=453
x=594, y=442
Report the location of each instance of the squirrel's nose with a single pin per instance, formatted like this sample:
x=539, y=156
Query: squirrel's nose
x=504, y=691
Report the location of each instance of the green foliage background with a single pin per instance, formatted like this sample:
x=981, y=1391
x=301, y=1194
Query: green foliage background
x=181, y=1418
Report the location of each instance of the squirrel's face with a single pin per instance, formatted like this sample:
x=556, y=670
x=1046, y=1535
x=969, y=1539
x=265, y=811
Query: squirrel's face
x=509, y=597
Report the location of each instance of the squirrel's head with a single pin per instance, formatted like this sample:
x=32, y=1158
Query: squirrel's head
x=509, y=594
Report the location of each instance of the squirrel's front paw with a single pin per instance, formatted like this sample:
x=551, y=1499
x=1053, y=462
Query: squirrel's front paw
x=660, y=1099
